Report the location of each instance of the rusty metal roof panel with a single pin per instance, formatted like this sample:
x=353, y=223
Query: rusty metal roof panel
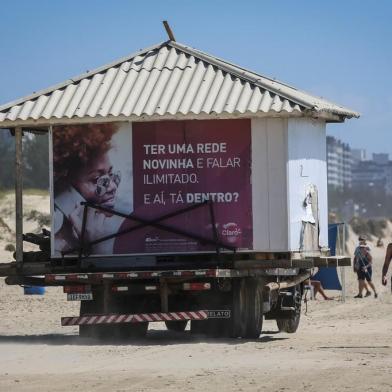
x=168, y=79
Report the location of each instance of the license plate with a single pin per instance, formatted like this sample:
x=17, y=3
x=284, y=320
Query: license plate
x=80, y=297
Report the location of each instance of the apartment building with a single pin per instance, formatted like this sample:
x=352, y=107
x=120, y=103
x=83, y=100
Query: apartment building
x=339, y=162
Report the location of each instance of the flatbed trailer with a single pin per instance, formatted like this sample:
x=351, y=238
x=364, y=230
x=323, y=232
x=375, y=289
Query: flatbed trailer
x=219, y=302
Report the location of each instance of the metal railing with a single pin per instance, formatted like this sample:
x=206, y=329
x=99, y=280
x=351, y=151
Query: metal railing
x=84, y=248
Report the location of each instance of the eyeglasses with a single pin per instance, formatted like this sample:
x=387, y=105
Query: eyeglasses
x=103, y=182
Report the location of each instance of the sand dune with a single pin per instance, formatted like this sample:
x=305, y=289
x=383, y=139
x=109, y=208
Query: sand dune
x=33, y=205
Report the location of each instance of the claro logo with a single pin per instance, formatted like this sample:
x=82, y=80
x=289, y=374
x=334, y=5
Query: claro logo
x=232, y=232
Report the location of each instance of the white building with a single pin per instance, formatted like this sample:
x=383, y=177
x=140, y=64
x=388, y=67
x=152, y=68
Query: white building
x=358, y=155
x=381, y=158
x=375, y=174
x=339, y=160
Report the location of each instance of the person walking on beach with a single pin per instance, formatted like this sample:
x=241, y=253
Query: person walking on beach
x=387, y=261
x=363, y=268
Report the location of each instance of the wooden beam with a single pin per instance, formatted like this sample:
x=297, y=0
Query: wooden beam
x=168, y=30
x=262, y=264
x=287, y=283
x=18, y=196
x=332, y=261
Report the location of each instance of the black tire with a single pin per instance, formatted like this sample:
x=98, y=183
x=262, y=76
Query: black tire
x=254, y=323
x=112, y=331
x=240, y=309
x=213, y=328
x=176, y=326
x=198, y=327
x=130, y=331
x=90, y=307
x=102, y=332
x=132, y=305
x=290, y=325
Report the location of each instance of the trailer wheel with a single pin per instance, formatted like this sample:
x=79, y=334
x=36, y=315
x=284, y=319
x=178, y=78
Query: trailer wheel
x=254, y=320
x=131, y=331
x=198, y=327
x=219, y=328
x=176, y=326
x=112, y=331
x=95, y=306
x=290, y=325
x=240, y=309
x=89, y=307
x=215, y=328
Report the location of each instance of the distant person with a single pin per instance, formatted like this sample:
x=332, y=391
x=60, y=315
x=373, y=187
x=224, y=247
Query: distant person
x=363, y=267
x=388, y=257
x=380, y=243
x=356, y=265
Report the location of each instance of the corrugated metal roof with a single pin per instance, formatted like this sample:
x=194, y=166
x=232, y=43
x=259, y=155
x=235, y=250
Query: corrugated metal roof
x=168, y=79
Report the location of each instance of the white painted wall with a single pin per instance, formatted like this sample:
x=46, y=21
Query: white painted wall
x=306, y=164
x=287, y=156
x=269, y=190
x=259, y=176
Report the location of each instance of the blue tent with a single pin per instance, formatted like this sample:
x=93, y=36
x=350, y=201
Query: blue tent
x=329, y=276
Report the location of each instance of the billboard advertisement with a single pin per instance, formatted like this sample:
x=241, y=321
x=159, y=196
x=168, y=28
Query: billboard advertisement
x=150, y=180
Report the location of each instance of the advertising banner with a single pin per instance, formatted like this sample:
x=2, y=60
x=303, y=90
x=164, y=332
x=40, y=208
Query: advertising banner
x=153, y=172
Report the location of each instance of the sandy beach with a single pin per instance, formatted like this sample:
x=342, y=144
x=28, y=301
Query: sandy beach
x=340, y=346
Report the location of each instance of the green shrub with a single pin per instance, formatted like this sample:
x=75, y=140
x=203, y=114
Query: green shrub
x=9, y=248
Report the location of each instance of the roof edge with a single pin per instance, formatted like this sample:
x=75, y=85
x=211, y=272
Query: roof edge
x=43, y=122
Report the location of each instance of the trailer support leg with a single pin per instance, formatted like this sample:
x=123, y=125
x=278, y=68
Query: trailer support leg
x=106, y=297
x=164, y=296
x=343, y=277
x=18, y=197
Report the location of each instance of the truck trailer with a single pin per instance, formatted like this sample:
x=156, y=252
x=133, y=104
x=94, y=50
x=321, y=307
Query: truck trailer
x=183, y=188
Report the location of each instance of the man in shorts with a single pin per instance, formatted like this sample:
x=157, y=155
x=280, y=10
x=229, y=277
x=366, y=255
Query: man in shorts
x=363, y=267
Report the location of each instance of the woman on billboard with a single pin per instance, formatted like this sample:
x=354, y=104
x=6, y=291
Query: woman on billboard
x=83, y=170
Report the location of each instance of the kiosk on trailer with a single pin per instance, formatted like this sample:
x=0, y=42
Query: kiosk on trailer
x=183, y=187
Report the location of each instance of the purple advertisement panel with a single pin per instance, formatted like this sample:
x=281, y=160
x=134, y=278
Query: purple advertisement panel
x=153, y=173
x=177, y=164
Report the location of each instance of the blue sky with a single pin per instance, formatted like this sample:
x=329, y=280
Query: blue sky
x=341, y=50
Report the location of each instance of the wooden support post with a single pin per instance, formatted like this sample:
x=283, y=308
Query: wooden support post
x=168, y=31
x=342, y=269
x=18, y=196
x=343, y=282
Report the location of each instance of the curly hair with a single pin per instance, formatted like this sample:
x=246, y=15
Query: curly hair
x=75, y=145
